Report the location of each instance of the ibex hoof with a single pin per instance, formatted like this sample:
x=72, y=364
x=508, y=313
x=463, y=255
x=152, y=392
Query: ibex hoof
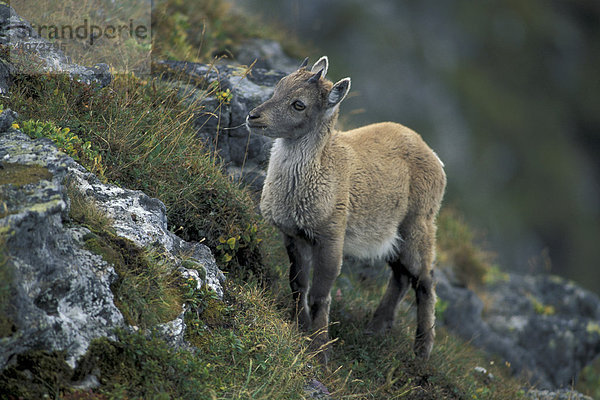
x=423, y=350
x=378, y=327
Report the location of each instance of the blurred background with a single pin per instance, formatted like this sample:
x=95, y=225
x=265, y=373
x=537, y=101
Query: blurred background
x=506, y=92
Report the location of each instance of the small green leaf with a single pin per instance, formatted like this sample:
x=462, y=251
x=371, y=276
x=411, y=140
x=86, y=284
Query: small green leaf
x=231, y=242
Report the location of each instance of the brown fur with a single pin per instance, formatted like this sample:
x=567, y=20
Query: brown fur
x=372, y=192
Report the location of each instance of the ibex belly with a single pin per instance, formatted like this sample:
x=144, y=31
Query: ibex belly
x=375, y=239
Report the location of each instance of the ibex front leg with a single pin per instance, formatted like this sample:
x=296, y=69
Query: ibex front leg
x=327, y=254
x=300, y=254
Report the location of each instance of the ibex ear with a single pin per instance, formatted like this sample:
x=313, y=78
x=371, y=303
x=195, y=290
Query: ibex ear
x=338, y=92
x=304, y=63
x=323, y=64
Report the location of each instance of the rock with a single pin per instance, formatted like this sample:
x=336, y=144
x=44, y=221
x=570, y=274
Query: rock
x=316, y=390
x=265, y=54
x=221, y=124
x=6, y=119
x=563, y=394
x=17, y=32
x=545, y=327
x=143, y=220
x=62, y=297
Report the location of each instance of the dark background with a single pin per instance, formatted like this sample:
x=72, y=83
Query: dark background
x=506, y=92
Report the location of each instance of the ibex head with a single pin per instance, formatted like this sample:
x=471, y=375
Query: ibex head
x=302, y=102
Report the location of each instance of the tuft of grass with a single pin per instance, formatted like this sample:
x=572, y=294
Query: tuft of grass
x=457, y=248
x=589, y=379
x=57, y=21
x=147, y=291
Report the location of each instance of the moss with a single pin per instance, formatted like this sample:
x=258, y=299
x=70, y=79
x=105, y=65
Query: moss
x=147, y=290
x=21, y=175
x=539, y=307
x=593, y=328
x=589, y=379
x=36, y=375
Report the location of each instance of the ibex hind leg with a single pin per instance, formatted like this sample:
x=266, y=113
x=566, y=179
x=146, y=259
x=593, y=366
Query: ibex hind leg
x=398, y=285
x=417, y=255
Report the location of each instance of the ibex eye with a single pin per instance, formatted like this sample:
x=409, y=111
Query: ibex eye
x=298, y=105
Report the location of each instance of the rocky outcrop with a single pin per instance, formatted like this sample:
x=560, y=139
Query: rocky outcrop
x=61, y=291
x=545, y=327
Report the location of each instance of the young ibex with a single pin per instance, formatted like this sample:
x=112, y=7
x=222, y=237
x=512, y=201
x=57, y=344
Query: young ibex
x=372, y=192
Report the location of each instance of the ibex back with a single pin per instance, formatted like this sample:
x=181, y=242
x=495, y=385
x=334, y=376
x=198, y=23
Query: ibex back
x=372, y=192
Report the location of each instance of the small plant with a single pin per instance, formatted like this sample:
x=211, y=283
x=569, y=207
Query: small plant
x=205, y=309
x=224, y=96
x=589, y=378
x=67, y=142
x=440, y=308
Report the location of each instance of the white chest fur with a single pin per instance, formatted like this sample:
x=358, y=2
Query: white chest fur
x=297, y=196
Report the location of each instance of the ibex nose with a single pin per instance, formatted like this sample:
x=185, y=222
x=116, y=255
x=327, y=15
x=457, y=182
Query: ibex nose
x=253, y=115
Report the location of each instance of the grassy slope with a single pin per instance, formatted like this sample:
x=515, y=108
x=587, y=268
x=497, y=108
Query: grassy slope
x=142, y=132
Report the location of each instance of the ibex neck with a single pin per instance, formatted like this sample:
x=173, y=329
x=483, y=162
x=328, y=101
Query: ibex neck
x=308, y=149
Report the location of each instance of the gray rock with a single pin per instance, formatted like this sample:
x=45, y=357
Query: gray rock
x=563, y=394
x=546, y=327
x=6, y=119
x=16, y=32
x=265, y=54
x=316, y=390
x=142, y=219
x=222, y=124
x=62, y=297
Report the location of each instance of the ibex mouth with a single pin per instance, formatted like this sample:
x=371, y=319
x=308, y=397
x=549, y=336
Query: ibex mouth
x=253, y=125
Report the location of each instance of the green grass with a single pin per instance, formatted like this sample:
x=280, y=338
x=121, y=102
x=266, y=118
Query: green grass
x=458, y=248
x=589, y=380
x=252, y=353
